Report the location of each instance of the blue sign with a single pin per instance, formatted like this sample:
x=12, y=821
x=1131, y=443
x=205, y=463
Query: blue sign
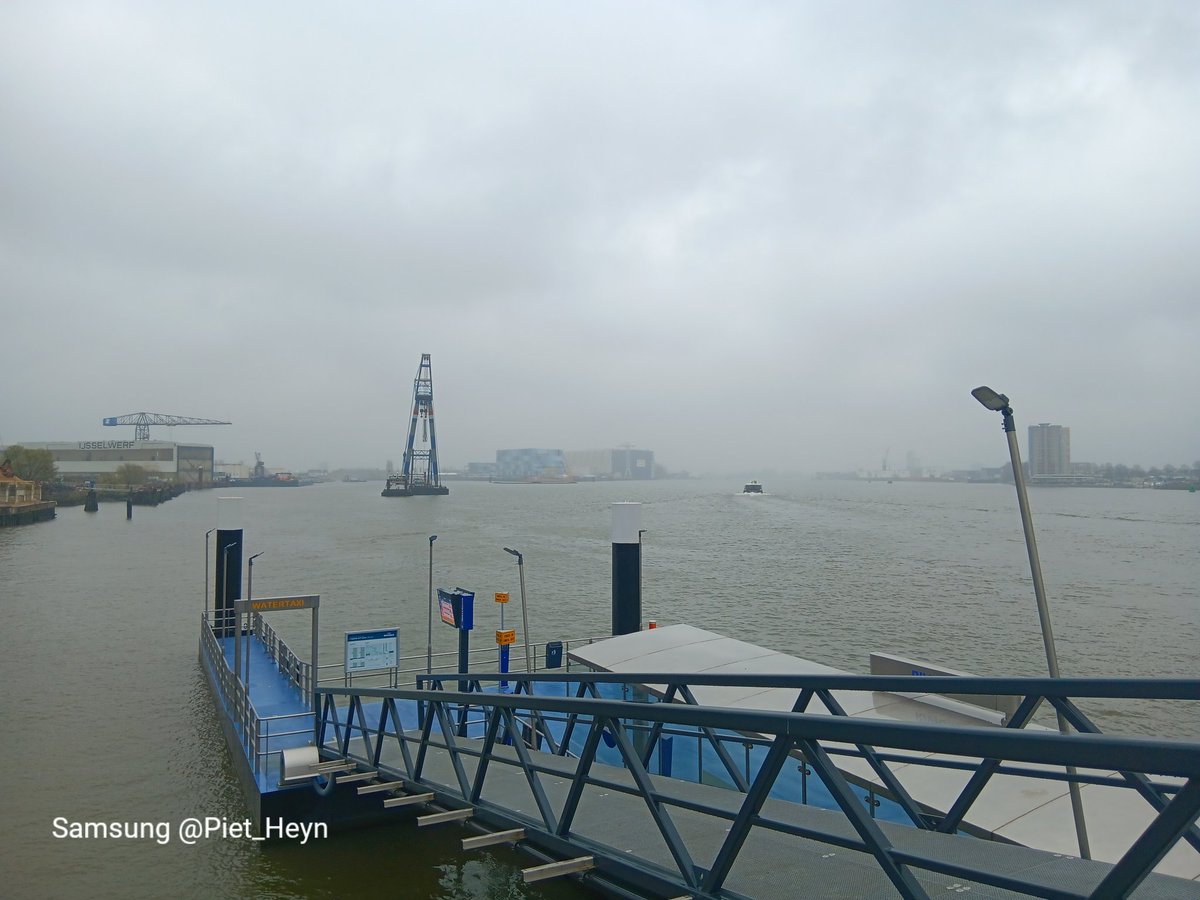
x=110, y=421
x=457, y=608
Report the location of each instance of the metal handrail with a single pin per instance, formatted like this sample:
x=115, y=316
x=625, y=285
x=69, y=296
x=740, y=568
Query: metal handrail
x=236, y=700
x=787, y=733
x=298, y=671
x=450, y=658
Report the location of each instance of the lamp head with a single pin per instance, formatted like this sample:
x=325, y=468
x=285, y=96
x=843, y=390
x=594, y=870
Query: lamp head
x=990, y=399
x=513, y=552
x=432, y=538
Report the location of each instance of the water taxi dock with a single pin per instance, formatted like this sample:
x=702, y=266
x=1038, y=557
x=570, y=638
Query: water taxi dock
x=572, y=767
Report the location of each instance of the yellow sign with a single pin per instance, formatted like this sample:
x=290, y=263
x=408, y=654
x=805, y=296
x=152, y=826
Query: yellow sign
x=501, y=596
x=269, y=604
x=264, y=605
x=506, y=637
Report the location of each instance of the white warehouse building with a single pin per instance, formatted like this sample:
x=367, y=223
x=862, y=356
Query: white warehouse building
x=91, y=459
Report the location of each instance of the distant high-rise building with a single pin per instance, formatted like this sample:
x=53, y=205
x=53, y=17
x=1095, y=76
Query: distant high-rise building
x=530, y=463
x=914, y=465
x=1049, y=450
x=623, y=463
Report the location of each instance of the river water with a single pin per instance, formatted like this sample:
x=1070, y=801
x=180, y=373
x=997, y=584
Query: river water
x=105, y=715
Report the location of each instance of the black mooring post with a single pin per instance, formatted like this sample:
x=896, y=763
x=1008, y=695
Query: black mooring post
x=227, y=586
x=626, y=568
x=464, y=657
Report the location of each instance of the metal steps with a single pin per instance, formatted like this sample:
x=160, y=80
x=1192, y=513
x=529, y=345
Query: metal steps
x=558, y=869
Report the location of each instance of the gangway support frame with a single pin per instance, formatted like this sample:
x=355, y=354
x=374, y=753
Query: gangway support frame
x=495, y=770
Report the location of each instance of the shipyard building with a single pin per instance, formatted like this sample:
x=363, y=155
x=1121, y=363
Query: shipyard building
x=83, y=460
x=530, y=463
x=623, y=463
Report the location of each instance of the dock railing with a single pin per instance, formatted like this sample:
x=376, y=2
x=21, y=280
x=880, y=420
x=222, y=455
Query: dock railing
x=409, y=668
x=260, y=737
x=481, y=728
x=297, y=671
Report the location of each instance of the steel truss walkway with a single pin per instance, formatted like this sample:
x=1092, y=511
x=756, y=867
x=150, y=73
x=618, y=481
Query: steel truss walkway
x=526, y=768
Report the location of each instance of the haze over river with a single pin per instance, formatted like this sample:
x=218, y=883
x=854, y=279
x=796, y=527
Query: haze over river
x=106, y=717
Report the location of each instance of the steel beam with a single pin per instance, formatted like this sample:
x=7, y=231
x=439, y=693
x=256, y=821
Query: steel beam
x=557, y=869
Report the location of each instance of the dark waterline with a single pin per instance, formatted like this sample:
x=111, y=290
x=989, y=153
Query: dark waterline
x=106, y=717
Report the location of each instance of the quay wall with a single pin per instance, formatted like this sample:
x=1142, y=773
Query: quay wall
x=26, y=513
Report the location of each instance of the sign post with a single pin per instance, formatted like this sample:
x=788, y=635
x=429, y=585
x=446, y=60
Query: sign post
x=372, y=651
x=271, y=604
x=457, y=609
x=504, y=638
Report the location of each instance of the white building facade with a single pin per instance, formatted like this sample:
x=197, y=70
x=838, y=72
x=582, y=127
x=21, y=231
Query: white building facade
x=78, y=460
x=1049, y=450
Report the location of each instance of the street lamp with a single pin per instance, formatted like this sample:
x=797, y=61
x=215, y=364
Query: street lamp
x=524, y=610
x=429, y=641
x=249, y=597
x=206, y=534
x=250, y=577
x=999, y=403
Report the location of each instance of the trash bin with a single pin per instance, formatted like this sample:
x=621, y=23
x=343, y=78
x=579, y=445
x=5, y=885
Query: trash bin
x=554, y=654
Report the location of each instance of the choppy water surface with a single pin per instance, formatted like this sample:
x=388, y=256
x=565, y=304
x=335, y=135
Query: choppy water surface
x=105, y=715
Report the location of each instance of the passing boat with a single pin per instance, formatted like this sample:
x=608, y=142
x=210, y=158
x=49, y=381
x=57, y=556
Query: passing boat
x=752, y=487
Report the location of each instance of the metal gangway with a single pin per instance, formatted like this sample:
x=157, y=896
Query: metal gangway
x=572, y=768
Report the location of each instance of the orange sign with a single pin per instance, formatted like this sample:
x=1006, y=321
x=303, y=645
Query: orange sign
x=506, y=637
x=501, y=596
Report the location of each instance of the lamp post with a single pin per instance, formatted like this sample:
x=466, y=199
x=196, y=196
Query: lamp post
x=206, y=536
x=996, y=402
x=524, y=610
x=429, y=640
x=249, y=597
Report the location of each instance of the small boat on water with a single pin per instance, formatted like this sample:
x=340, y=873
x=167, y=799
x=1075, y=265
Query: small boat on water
x=752, y=487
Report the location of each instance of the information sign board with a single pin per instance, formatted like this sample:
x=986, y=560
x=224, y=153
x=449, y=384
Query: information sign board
x=370, y=651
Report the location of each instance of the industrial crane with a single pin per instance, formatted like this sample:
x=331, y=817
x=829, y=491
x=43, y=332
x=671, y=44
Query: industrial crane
x=143, y=420
x=419, y=475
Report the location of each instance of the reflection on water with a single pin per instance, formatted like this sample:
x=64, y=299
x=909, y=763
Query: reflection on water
x=106, y=716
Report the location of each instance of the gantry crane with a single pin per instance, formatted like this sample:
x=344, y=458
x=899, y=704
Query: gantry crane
x=142, y=421
x=419, y=473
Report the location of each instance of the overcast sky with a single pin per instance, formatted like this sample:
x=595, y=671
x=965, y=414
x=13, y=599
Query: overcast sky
x=747, y=236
